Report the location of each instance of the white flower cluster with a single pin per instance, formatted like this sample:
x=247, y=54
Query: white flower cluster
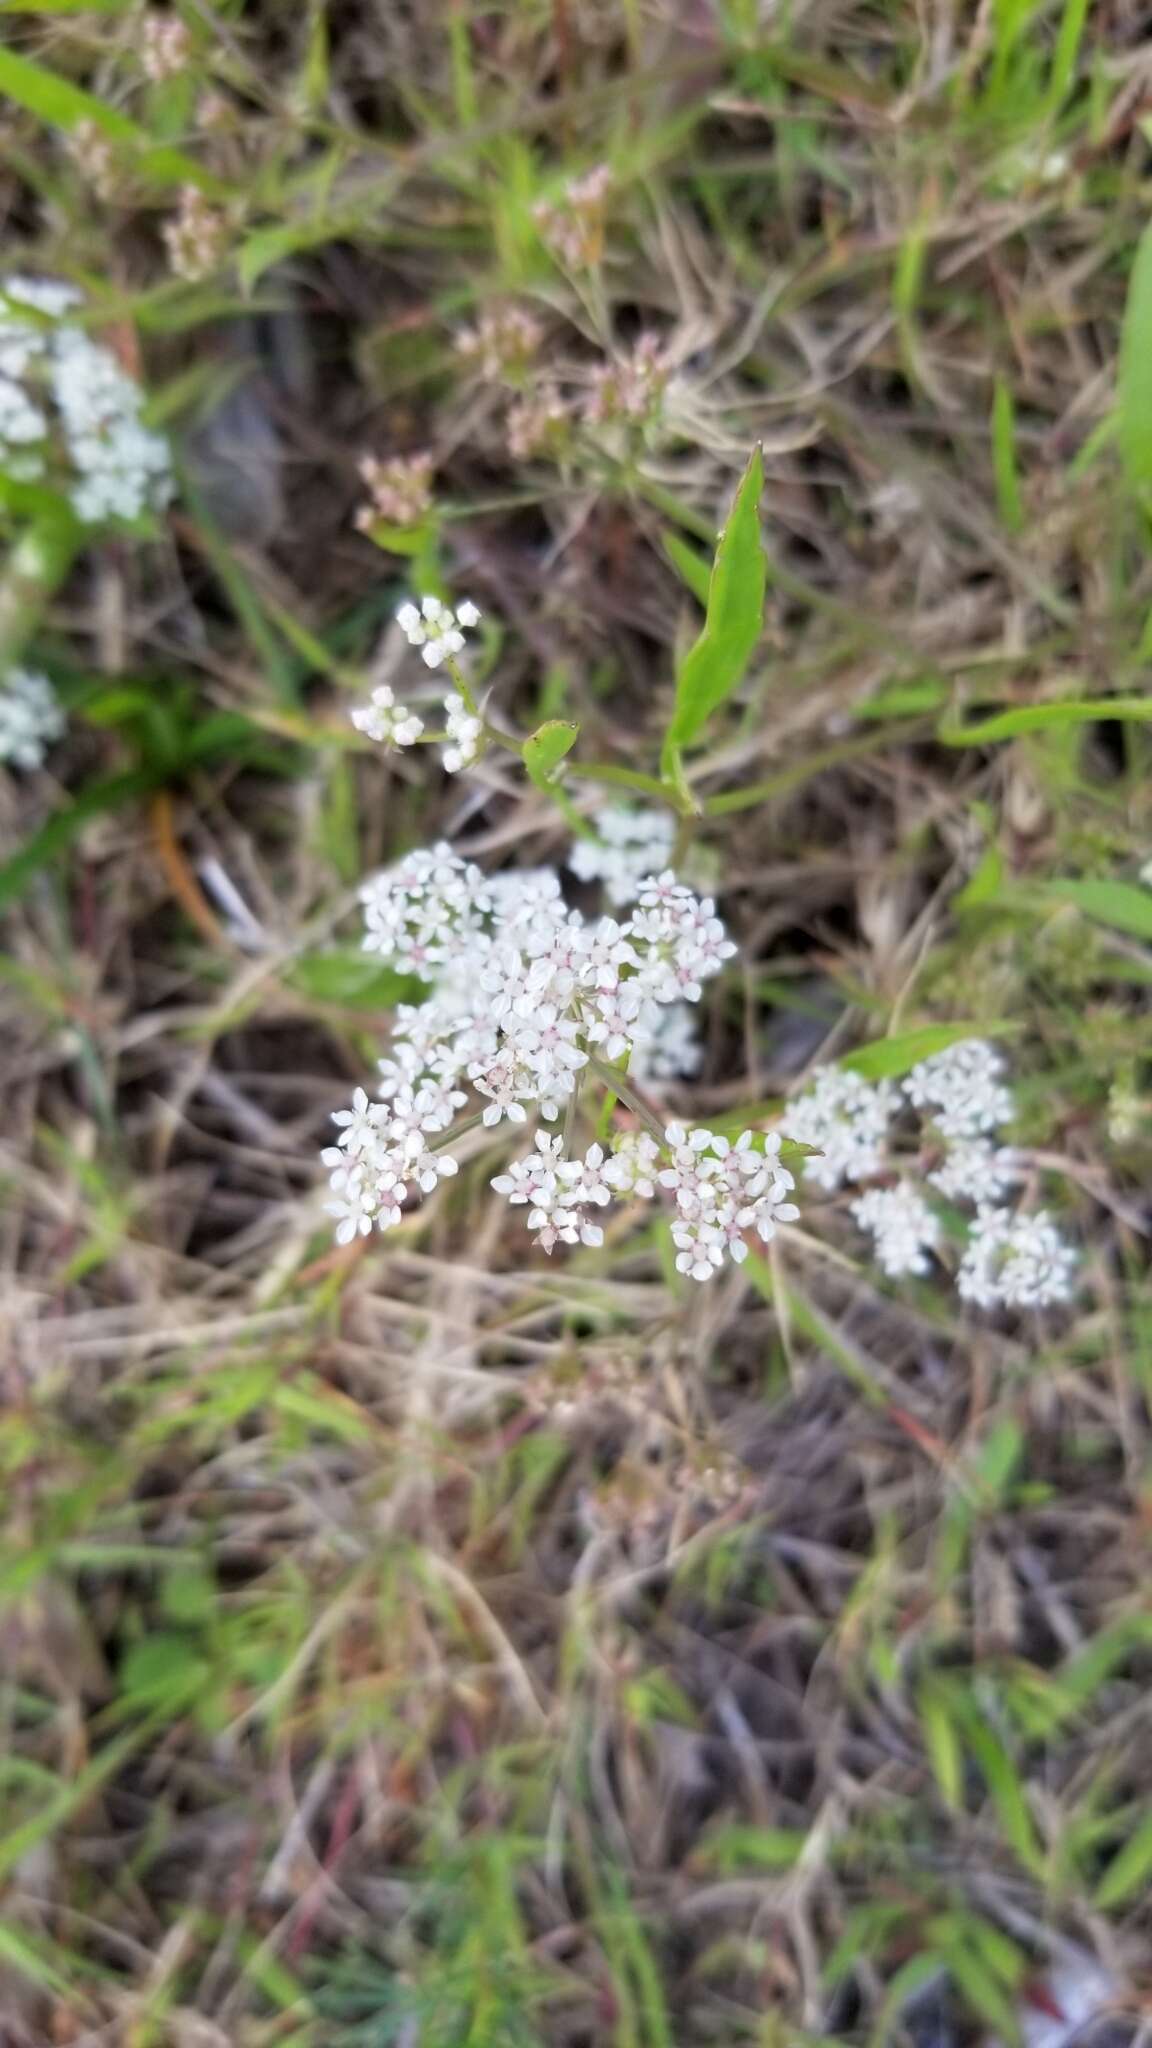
x=435, y=628
x=524, y=993
x=722, y=1191
x=386, y=721
x=165, y=45
x=629, y=844
x=31, y=717
x=64, y=398
x=902, y=1226
x=960, y=1089
x=1011, y=1260
x=846, y=1120
x=465, y=734
x=1018, y=1259
x=437, y=631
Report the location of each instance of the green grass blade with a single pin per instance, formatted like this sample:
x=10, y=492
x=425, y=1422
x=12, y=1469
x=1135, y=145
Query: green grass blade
x=1064, y=57
x=1008, y=495
x=1134, y=397
x=1130, y=1871
x=1008, y=725
x=1119, y=904
x=63, y=105
x=887, y=1058
x=715, y=665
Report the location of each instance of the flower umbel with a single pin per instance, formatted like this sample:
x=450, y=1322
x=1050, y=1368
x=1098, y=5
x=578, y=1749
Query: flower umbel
x=436, y=629
x=524, y=993
x=846, y=1119
x=69, y=413
x=196, y=238
x=1016, y=1262
x=386, y=721
x=31, y=717
x=399, y=490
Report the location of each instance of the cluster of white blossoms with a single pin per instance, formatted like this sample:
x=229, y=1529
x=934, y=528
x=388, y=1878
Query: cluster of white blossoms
x=68, y=410
x=165, y=45
x=31, y=717
x=465, y=734
x=1018, y=1259
x=384, y=720
x=846, y=1121
x=629, y=845
x=438, y=631
x=1011, y=1259
x=525, y=995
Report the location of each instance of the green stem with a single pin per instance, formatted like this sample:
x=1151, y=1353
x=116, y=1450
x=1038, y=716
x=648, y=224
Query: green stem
x=614, y=1079
x=34, y=571
x=491, y=732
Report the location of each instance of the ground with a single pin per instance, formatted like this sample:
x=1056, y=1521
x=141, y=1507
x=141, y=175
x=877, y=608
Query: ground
x=422, y=1642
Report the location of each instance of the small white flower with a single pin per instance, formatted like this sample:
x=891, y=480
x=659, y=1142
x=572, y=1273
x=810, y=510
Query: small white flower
x=165, y=46
x=465, y=731
x=31, y=717
x=961, y=1090
x=846, y=1120
x=902, y=1225
x=435, y=628
x=630, y=845
x=83, y=414
x=429, y=1168
x=632, y=1167
x=974, y=1170
x=384, y=720
x=584, y=1179
x=1016, y=1262
x=533, y=1178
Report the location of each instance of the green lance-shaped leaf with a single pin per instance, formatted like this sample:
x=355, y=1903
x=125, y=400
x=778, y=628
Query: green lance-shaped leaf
x=63, y=105
x=717, y=662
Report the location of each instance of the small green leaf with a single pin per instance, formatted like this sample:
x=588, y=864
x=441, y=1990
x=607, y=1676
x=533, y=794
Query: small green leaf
x=985, y=882
x=942, y=1741
x=354, y=980
x=1134, y=393
x=162, y=1667
x=1130, y=1870
x=887, y=1058
x=64, y=105
x=1006, y=725
x=544, y=749
x=1002, y=1778
x=715, y=664
x=188, y=1595
x=735, y=1847
x=1119, y=904
x=1008, y=495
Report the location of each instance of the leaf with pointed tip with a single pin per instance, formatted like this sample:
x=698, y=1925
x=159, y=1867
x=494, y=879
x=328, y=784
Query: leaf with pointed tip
x=715, y=665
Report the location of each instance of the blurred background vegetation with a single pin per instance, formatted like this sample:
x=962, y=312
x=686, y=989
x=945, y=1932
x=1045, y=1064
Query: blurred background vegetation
x=415, y=1645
